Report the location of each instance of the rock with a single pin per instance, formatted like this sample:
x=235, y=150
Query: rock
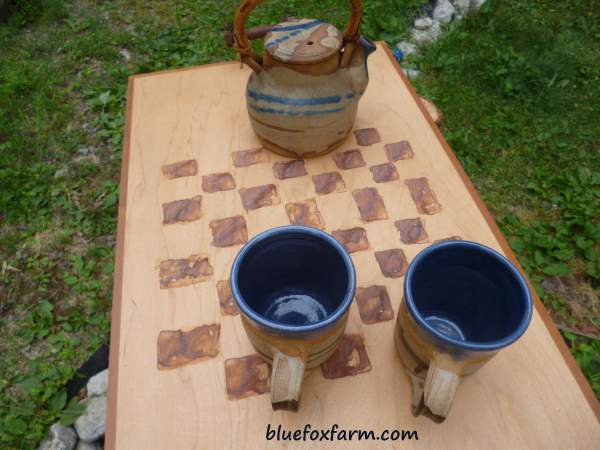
x=61, y=438
x=90, y=425
x=406, y=48
x=476, y=4
x=412, y=73
x=443, y=11
x=56, y=254
x=432, y=110
x=423, y=23
x=90, y=159
x=552, y=285
x=60, y=173
x=86, y=446
x=84, y=151
x=462, y=7
x=423, y=38
x=126, y=54
x=98, y=384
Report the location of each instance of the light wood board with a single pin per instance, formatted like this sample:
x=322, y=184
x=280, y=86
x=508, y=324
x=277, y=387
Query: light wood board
x=530, y=396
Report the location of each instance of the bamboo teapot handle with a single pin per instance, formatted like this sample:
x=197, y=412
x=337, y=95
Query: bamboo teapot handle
x=250, y=57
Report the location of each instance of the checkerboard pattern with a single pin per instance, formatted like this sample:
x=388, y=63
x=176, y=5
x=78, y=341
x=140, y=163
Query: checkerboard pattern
x=249, y=375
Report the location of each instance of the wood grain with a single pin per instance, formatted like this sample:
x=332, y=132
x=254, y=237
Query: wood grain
x=532, y=395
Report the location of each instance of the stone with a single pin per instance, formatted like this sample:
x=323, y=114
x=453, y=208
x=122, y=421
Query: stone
x=91, y=424
x=462, y=7
x=443, y=11
x=81, y=445
x=552, y=285
x=423, y=38
x=476, y=4
x=423, y=23
x=126, y=54
x=412, y=73
x=98, y=384
x=60, y=438
x=60, y=173
x=86, y=159
x=85, y=151
x=407, y=48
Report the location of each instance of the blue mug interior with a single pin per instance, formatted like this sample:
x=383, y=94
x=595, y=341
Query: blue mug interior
x=469, y=295
x=293, y=277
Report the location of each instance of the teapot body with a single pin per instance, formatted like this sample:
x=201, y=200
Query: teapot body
x=303, y=94
x=300, y=114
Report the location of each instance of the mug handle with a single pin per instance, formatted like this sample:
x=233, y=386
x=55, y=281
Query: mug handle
x=440, y=385
x=287, y=374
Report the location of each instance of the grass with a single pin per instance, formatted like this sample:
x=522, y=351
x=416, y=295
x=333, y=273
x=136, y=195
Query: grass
x=519, y=84
x=62, y=96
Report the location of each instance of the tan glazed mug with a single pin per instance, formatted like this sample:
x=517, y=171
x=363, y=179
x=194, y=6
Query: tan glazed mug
x=294, y=286
x=462, y=303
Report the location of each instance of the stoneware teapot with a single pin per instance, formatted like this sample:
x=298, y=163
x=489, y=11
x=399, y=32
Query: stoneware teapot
x=303, y=94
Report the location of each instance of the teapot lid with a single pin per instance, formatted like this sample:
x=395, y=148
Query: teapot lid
x=303, y=41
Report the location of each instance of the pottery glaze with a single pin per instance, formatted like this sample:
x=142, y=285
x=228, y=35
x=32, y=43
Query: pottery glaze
x=303, y=94
x=463, y=302
x=294, y=286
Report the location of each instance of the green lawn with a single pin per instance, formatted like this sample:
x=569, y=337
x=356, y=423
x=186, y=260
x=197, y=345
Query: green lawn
x=519, y=84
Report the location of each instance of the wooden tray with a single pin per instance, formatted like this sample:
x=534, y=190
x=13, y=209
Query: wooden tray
x=175, y=392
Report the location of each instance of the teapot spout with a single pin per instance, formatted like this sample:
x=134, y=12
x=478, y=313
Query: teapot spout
x=367, y=44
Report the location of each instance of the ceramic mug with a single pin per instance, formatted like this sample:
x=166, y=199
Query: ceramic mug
x=462, y=303
x=294, y=286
